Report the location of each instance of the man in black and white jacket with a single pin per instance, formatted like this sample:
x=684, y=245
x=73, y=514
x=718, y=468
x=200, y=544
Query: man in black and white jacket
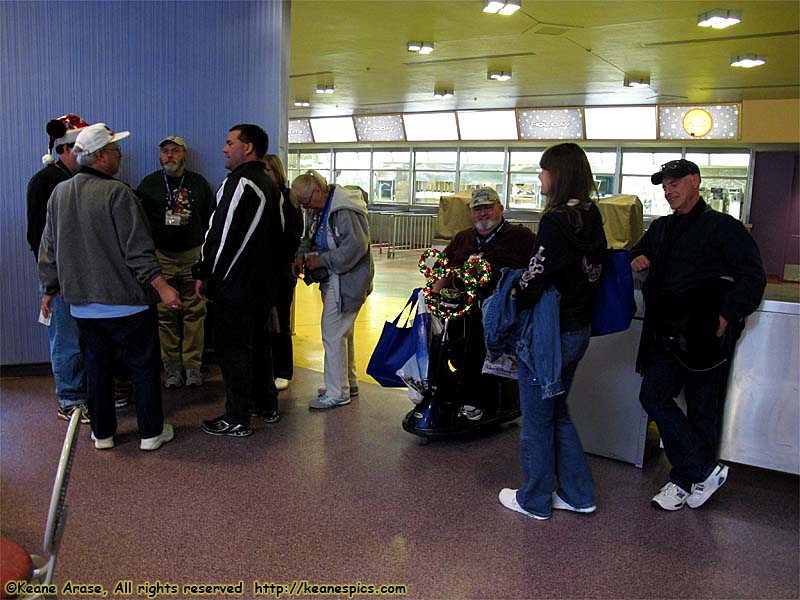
x=236, y=272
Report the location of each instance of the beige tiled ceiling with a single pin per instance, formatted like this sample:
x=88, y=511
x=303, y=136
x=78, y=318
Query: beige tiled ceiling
x=562, y=53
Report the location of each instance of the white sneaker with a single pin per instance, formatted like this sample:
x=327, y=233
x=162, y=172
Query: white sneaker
x=702, y=491
x=671, y=497
x=473, y=413
x=281, y=384
x=508, y=498
x=561, y=504
x=154, y=443
x=323, y=402
x=104, y=443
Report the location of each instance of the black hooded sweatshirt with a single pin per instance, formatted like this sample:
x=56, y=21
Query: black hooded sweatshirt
x=569, y=254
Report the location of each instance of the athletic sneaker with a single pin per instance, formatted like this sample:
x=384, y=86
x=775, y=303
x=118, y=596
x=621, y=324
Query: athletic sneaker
x=353, y=391
x=325, y=401
x=508, y=498
x=281, y=384
x=473, y=413
x=193, y=377
x=66, y=414
x=268, y=416
x=220, y=426
x=154, y=443
x=104, y=443
x=561, y=504
x=671, y=497
x=174, y=379
x=702, y=491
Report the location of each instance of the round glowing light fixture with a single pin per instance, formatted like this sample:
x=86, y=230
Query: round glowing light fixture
x=748, y=61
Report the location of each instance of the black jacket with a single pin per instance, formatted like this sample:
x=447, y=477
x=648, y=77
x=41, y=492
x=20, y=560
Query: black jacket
x=568, y=255
x=40, y=187
x=239, y=258
x=702, y=265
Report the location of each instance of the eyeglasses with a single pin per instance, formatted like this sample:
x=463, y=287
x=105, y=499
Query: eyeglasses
x=311, y=195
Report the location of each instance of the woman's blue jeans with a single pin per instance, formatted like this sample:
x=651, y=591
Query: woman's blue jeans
x=549, y=442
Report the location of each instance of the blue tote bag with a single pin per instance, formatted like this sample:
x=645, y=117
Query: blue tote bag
x=397, y=344
x=614, y=304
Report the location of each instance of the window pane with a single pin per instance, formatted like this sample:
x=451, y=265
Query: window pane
x=620, y=123
x=352, y=160
x=390, y=186
x=444, y=160
x=525, y=191
x=333, y=129
x=474, y=180
x=357, y=178
x=526, y=161
x=488, y=160
x=488, y=125
x=602, y=162
x=645, y=163
x=430, y=186
x=430, y=126
x=652, y=196
x=397, y=159
x=292, y=160
x=319, y=161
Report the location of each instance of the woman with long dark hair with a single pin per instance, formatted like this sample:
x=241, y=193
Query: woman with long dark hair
x=570, y=246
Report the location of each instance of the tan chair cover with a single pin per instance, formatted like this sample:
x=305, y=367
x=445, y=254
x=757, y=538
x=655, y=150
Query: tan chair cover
x=454, y=214
x=623, y=220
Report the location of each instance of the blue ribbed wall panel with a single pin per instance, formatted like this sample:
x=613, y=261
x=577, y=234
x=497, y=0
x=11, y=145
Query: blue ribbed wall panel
x=153, y=68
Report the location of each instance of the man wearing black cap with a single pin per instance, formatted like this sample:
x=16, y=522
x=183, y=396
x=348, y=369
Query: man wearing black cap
x=704, y=277
x=66, y=358
x=178, y=203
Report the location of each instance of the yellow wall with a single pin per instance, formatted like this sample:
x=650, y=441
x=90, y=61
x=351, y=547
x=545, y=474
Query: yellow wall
x=771, y=121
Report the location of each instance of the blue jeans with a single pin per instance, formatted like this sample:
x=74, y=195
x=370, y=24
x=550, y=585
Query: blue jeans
x=549, y=442
x=66, y=357
x=691, y=440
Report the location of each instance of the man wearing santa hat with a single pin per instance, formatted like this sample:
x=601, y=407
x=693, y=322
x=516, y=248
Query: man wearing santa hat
x=66, y=358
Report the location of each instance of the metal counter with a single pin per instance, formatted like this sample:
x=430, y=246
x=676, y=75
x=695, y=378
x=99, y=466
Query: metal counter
x=761, y=421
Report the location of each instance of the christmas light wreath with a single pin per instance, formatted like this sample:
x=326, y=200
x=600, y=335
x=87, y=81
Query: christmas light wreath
x=474, y=273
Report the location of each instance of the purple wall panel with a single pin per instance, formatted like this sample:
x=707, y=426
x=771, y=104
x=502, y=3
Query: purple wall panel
x=153, y=68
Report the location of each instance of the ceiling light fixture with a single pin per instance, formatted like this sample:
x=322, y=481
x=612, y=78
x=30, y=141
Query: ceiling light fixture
x=748, y=61
x=443, y=93
x=325, y=89
x=637, y=81
x=498, y=75
x=302, y=103
x=421, y=47
x=719, y=18
x=502, y=8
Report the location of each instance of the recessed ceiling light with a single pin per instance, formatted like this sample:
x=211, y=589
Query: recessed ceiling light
x=325, y=89
x=421, y=47
x=302, y=103
x=637, y=81
x=503, y=8
x=443, y=93
x=492, y=6
x=748, y=61
x=719, y=18
x=498, y=75
x=510, y=8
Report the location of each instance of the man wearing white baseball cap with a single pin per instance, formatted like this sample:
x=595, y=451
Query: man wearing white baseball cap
x=107, y=271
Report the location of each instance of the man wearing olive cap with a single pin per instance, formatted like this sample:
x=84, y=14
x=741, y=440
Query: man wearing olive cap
x=704, y=277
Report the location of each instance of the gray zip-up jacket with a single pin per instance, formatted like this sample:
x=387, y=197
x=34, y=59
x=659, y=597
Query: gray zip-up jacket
x=349, y=258
x=96, y=245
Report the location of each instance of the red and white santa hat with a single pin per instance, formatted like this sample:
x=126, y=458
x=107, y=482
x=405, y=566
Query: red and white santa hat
x=63, y=130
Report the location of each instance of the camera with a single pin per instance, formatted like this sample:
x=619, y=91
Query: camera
x=318, y=275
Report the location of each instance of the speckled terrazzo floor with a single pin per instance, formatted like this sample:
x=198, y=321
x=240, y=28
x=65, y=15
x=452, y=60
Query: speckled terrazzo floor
x=346, y=496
